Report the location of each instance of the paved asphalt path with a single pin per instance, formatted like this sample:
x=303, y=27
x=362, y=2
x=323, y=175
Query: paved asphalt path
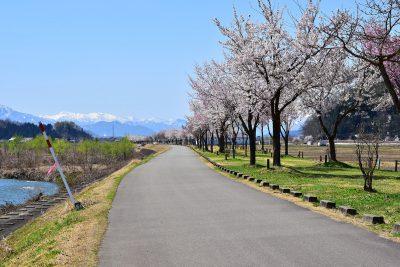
x=176, y=211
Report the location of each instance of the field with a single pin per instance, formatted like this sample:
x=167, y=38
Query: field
x=345, y=153
x=338, y=182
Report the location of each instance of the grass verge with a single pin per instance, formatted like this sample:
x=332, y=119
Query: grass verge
x=64, y=237
x=341, y=183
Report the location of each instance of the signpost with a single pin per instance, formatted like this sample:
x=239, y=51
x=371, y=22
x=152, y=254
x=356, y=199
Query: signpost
x=77, y=205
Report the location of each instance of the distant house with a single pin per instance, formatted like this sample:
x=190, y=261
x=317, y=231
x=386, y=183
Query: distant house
x=23, y=140
x=136, y=138
x=322, y=142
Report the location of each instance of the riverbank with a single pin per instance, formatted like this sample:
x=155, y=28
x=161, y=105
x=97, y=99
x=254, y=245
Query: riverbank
x=38, y=172
x=23, y=174
x=17, y=193
x=64, y=237
x=76, y=175
x=82, y=161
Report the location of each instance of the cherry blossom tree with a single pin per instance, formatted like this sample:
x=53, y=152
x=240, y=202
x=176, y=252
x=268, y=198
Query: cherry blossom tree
x=210, y=90
x=338, y=93
x=268, y=69
x=199, y=123
x=281, y=65
x=372, y=35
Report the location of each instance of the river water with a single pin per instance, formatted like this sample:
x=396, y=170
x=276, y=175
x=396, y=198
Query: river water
x=19, y=191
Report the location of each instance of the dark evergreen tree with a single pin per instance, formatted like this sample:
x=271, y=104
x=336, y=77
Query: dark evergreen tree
x=65, y=130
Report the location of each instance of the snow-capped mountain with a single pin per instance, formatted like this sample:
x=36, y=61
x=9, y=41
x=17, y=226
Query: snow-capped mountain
x=98, y=124
x=86, y=117
x=116, y=128
x=7, y=113
x=159, y=125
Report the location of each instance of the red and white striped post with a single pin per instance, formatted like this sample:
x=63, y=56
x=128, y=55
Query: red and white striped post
x=77, y=205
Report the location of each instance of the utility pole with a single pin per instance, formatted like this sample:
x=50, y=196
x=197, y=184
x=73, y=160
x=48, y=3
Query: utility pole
x=113, y=130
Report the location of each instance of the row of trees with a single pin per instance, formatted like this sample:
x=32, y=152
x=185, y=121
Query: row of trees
x=65, y=129
x=328, y=66
x=172, y=136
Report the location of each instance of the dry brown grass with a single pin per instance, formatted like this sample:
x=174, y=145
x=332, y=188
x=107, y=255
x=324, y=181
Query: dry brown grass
x=64, y=237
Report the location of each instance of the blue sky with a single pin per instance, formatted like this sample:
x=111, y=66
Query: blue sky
x=129, y=58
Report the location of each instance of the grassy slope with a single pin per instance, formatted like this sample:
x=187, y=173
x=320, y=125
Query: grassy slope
x=340, y=183
x=64, y=237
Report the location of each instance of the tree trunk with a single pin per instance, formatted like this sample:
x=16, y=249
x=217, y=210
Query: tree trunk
x=233, y=140
x=212, y=142
x=390, y=87
x=202, y=142
x=221, y=142
x=276, y=139
x=252, y=141
x=368, y=183
x=245, y=145
x=286, y=143
x=251, y=128
x=198, y=143
x=332, y=148
x=331, y=137
x=206, y=141
x=262, y=138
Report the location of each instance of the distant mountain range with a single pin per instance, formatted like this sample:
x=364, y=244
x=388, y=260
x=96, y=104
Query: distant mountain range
x=98, y=124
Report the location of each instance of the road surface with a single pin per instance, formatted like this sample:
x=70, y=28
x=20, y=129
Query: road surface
x=176, y=211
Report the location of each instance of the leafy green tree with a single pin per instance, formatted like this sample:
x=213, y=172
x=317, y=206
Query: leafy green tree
x=62, y=146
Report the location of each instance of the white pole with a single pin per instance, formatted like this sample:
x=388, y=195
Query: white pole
x=71, y=196
x=77, y=205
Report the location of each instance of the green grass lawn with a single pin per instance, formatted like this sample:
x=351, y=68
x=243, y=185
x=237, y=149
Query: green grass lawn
x=340, y=183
